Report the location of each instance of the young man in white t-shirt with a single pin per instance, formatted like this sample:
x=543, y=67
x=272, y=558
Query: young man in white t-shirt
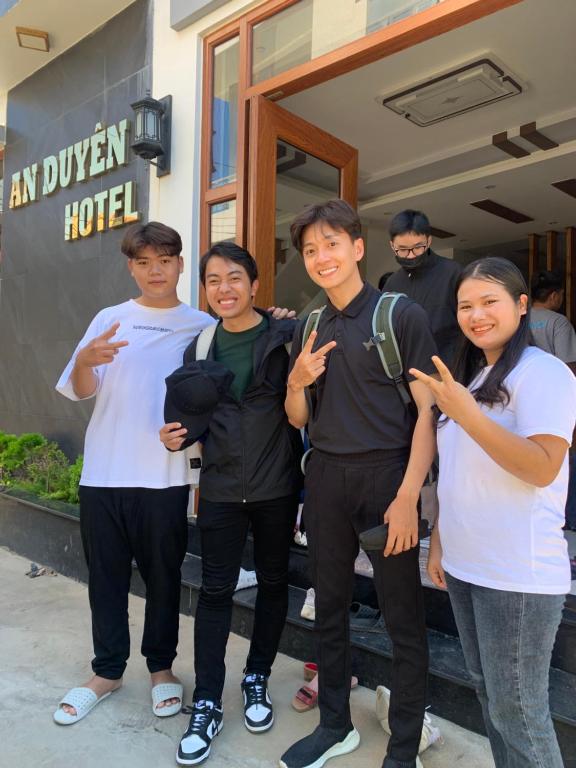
x=133, y=493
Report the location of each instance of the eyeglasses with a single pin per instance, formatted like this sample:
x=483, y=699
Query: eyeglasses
x=417, y=250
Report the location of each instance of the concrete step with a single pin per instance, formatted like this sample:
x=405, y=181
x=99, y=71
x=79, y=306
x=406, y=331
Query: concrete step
x=439, y=615
x=450, y=691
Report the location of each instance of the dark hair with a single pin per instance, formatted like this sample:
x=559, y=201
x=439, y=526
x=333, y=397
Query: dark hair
x=231, y=252
x=338, y=213
x=383, y=280
x=469, y=358
x=162, y=238
x=410, y=221
x=544, y=283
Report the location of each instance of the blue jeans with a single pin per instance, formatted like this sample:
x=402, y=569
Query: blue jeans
x=507, y=639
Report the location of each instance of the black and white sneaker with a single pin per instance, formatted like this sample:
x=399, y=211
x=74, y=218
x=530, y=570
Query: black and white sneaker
x=258, y=711
x=322, y=744
x=205, y=723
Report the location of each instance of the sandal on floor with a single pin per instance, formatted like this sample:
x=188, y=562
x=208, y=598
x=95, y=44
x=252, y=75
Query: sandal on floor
x=163, y=692
x=310, y=670
x=305, y=699
x=83, y=700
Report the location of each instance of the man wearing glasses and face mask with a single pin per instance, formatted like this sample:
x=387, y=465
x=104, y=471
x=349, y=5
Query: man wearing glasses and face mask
x=425, y=277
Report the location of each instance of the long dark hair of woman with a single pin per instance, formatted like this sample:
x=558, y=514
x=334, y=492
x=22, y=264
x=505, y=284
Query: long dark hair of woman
x=469, y=358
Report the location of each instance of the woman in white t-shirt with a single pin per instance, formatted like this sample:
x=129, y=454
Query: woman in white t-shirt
x=508, y=417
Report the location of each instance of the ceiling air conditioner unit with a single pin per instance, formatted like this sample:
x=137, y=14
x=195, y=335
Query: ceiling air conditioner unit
x=469, y=87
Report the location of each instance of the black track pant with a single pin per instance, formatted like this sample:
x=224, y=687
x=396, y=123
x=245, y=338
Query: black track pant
x=347, y=494
x=223, y=528
x=149, y=525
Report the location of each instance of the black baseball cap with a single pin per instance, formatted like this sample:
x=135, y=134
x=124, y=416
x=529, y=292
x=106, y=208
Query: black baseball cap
x=193, y=392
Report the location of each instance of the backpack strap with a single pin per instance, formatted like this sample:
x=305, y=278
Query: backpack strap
x=384, y=339
x=205, y=338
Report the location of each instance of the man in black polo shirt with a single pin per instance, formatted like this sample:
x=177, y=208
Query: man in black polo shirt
x=371, y=456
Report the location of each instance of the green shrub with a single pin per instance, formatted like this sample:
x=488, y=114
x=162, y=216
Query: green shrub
x=46, y=471
x=32, y=463
x=16, y=454
x=5, y=440
x=74, y=479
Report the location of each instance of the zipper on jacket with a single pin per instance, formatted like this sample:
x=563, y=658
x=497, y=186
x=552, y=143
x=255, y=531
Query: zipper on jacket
x=243, y=453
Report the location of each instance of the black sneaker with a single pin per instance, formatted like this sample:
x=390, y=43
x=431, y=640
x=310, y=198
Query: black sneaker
x=322, y=744
x=258, y=712
x=205, y=723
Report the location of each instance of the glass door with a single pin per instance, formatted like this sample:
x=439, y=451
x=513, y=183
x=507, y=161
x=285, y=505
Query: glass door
x=291, y=163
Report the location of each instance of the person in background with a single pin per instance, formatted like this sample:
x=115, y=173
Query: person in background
x=426, y=277
x=383, y=280
x=554, y=333
x=551, y=331
x=508, y=416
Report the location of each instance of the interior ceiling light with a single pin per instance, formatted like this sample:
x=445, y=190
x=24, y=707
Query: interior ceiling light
x=502, y=211
x=529, y=132
x=441, y=234
x=501, y=141
x=568, y=186
x=471, y=86
x=35, y=39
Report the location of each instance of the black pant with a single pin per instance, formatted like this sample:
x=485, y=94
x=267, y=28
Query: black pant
x=223, y=529
x=149, y=525
x=344, y=496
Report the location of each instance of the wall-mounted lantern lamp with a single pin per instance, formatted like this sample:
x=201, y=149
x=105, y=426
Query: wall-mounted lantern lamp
x=152, y=129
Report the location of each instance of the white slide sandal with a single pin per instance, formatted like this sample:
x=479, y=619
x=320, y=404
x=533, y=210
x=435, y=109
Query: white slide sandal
x=163, y=692
x=82, y=699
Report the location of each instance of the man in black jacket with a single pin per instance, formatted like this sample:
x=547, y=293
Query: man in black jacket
x=250, y=477
x=426, y=277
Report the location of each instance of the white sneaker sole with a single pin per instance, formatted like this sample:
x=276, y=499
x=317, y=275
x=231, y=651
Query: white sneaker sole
x=350, y=743
x=205, y=756
x=259, y=728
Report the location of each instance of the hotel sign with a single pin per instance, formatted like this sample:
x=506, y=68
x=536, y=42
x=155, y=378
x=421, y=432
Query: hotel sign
x=100, y=153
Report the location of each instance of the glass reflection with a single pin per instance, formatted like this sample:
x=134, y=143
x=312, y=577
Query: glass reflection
x=224, y=113
x=311, y=28
x=300, y=179
x=223, y=221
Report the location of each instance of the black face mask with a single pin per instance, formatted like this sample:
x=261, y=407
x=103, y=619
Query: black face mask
x=415, y=262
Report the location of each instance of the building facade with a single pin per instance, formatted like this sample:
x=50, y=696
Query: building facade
x=437, y=105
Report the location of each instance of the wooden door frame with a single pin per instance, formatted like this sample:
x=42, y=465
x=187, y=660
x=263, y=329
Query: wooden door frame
x=403, y=34
x=268, y=124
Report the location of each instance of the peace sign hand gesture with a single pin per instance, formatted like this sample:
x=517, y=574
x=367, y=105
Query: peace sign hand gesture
x=101, y=350
x=309, y=365
x=452, y=398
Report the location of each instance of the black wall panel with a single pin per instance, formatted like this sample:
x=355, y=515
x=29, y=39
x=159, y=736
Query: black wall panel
x=50, y=289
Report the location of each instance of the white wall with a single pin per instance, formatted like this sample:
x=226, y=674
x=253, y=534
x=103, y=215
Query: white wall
x=177, y=70
x=448, y=253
